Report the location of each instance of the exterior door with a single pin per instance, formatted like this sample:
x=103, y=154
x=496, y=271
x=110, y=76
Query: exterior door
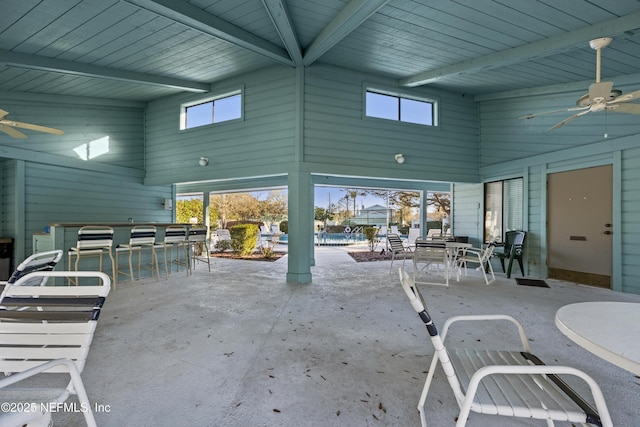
x=579, y=228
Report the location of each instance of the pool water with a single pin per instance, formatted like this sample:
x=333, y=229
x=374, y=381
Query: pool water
x=333, y=239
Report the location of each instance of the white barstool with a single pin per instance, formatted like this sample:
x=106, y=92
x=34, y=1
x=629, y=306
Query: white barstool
x=93, y=241
x=175, y=236
x=199, y=245
x=142, y=237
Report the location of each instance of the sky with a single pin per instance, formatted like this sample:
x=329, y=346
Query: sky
x=321, y=198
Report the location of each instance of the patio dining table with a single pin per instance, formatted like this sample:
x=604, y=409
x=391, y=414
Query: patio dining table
x=610, y=330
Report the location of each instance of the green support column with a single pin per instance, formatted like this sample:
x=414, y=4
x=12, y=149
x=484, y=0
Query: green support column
x=312, y=249
x=300, y=227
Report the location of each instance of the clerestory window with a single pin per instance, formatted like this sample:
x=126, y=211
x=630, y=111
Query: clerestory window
x=391, y=106
x=213, y=110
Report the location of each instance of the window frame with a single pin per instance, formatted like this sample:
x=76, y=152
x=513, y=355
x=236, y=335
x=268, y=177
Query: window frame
x=504, y=220
x=211, y=99
x=399, y=95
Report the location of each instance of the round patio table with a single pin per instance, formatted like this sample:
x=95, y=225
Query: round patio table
x=610, y=330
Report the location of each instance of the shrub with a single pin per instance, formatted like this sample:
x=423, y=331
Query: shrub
x=244, y=238
x=223, y=245
x=284, y=227
x=267, y=251
x=371, y=233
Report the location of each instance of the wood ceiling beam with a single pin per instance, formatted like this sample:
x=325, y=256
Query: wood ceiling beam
x=349, y=18
x=619, y=81
x=35, y=62
x=194, y=17
x=279, y=15
x=540, y=49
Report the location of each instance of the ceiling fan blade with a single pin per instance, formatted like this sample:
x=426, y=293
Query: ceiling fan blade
x=32, y=127
x=599, y=92
x=626, y=97
x=568, y=119
x=531, y=116
x=624, y=108
x=12, y=132
x=3, y=113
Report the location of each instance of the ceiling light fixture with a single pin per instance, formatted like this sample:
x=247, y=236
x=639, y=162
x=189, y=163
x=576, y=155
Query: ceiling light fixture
x=204, y=161
x=400, y=158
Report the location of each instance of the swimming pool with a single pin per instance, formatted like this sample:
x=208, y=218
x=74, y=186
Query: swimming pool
x=333, y=239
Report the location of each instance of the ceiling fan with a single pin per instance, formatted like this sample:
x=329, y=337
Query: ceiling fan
x=601, y=96
x=9, y=127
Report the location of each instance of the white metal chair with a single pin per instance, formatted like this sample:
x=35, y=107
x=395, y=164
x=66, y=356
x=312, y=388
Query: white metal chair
x=93, y=241
x=47, y=329
x=199, y=245
x=431, y=262
x=508, y=383
x=142, y=237
x=479, y=256
x=397, y=249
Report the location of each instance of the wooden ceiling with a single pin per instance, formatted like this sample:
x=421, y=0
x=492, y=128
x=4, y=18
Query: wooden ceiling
x=140, y=50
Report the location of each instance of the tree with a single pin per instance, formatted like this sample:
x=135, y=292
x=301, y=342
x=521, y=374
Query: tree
x=401, y=201
x=274, y=208
x=441, y=202
x=353, y=193
x=236, y=206
x=194, y=208
x=324, y=215
x=187, y=209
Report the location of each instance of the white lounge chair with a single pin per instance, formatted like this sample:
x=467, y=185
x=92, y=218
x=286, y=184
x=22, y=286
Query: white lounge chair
x=47, y=329
x=508, y=383
x=40, y=261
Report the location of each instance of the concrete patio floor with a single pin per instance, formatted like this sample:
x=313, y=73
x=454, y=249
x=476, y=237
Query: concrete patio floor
x=240, y=347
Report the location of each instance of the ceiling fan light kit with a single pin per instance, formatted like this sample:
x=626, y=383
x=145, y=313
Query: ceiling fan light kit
x=601, y=95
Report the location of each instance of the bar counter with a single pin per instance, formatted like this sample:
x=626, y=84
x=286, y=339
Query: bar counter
x=65, y=235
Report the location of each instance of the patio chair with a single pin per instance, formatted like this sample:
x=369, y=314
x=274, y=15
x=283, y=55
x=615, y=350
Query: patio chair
x=175, y=236
x=414, y=233
x=435, y=262
x=40, y=261
x=141, y=237
x=478, y=256
x=508, y=383
x=511, y=250
x=397, y=249
x=43, y=330
x=434, y=233
x=93, y=241
x=199, y=245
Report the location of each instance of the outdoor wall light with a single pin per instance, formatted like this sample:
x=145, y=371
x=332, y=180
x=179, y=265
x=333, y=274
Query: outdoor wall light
x=400, y=158
x=204, y=161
